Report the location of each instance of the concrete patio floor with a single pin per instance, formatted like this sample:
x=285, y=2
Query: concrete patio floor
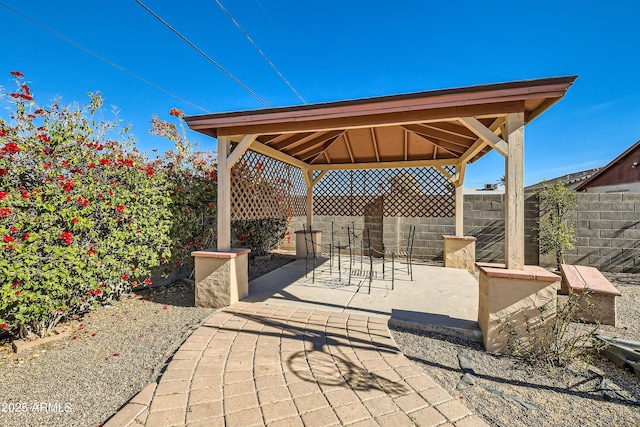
x=438, y=299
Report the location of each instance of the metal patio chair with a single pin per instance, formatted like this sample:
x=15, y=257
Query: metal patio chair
x=404, y=250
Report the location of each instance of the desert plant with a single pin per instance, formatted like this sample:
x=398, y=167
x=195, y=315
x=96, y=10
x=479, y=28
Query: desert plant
x=551, y=340
x=555, y=234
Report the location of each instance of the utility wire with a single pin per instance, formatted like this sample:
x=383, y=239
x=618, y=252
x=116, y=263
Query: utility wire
x=113, y=64
x=255, y=45
x=220, y=67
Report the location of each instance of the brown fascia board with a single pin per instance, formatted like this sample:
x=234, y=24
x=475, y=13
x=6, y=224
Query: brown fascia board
x=611, y=164
x=554, y=87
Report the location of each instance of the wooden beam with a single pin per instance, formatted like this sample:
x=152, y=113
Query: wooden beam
x=278, y=155
x=374, y=138
x=348, y=144
x=317, y=140
x=311, y=153
x=438, y=145
x=319, y=177
x=514, y=203
x=485, y=133
x=224, y=195
x=480, y=143
x=406, y=143
x=390, y=119
x=386, y=165
x=461, y=169
x=240, y=149
x=445, y=173
x=434, y=133
x=290, y=140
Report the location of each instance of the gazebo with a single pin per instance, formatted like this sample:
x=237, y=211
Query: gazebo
x=442, y=129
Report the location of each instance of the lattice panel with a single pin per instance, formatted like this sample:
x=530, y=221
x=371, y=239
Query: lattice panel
x=262, y=187
x=414, y=192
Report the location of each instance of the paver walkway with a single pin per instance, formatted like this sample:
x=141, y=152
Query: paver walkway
x=258, y=364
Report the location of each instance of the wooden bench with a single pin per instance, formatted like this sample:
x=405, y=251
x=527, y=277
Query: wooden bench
x=600, y=305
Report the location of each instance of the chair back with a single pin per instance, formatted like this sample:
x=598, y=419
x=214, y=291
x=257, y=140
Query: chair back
x=412, y=235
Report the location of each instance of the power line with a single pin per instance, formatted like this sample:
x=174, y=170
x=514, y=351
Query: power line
x=220, y=67
x=113, y=64
x=255, y=45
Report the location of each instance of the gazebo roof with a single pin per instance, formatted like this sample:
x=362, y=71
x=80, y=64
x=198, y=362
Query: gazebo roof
x=432, y=128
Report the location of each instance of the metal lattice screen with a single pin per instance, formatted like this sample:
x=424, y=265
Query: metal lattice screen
x=262, y=187
x=412, y=192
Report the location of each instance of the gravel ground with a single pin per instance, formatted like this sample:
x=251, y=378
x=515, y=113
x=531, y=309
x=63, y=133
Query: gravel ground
x=506, y=393
x=113, y=352
x=108, y=357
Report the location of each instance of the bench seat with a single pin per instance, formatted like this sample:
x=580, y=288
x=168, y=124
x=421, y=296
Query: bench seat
x=578, y=280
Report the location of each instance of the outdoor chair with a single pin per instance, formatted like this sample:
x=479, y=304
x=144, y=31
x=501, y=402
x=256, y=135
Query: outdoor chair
x=404, y=250
x=361, y=251
x=316, y=250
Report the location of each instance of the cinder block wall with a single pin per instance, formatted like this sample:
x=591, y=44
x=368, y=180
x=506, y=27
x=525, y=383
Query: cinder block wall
x=607, y=230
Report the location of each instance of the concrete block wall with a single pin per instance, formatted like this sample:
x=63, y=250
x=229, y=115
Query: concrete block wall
x=607, y=230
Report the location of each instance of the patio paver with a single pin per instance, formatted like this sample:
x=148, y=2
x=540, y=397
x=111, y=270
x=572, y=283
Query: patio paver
x=315, y=370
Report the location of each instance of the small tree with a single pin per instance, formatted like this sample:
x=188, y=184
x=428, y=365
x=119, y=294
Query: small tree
x=555, y=234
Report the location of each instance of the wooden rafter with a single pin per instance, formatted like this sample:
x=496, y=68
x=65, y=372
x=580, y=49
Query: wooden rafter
x=318, y=141
x=374, y=138
x=348, y=144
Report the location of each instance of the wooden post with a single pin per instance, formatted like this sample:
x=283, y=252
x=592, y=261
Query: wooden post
x=514, y=203
x=308, y=177
x=224, y=195
x=459, y=181
x=459, y=210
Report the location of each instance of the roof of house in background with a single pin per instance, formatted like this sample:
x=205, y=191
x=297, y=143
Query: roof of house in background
x=567, y=179
x=618, y=171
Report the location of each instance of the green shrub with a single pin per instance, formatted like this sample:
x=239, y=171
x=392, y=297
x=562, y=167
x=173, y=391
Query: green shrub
x=82, y=213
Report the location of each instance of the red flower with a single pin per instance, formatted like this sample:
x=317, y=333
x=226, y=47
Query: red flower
x=44, y=138
x=102, y=286
x=17, y=74
x=12, y=229
x=120, y=208
x=68, y=186
x=25, y=194
x=5, y=212
x=67, y=237
x=4, y=326
x=25, y=236
x=147, y=281
x=65, y=163
x=91, y=166
x=91, y=251
x=125, y=277
x=46, y=165
x=116, y=354
x=10, y=148
x=3, y=194
x=105, y=161
x=8, y=239
x=175, y=112
x=74, y=220
x=39, y=111
x=18, y=293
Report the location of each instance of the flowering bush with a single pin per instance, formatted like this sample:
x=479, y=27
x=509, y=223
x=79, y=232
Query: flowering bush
x=81, y=211
x=192, y=185
x=260, y=234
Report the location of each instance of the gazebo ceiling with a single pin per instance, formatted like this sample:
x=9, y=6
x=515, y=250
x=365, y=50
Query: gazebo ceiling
x=426, y=128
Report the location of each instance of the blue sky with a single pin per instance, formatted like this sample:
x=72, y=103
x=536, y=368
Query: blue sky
x=336, y=50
